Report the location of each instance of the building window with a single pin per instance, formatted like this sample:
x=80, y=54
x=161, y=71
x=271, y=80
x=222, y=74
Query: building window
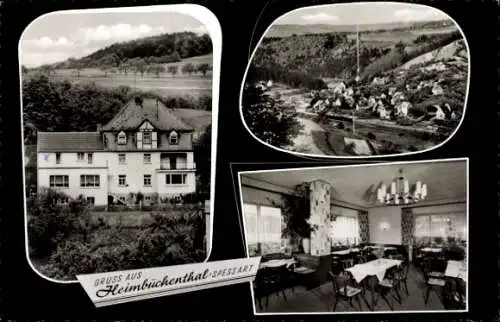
x=175, y=179
x=147, y=138
x=147, y=180
x=147, y=157
x=91, y=200
x=263, y=226
x=58, y=158
x=344, y=230
x=59, y=181
x=90, y=158
x=89, y=180
x=122, y=138
x=122, y=159
x=122, y=180
x=173, y=138
x=80, y=156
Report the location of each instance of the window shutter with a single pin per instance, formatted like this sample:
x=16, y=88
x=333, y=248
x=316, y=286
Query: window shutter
x=139, y=140
x=154, y=140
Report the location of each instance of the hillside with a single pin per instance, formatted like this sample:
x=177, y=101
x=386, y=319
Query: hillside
x=162, y=49
x=307, y=59
x=286, y=30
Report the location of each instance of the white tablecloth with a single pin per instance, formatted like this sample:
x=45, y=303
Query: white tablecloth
x=273, y=263
x=431, y=250
x=456, y=269
x=377, y=267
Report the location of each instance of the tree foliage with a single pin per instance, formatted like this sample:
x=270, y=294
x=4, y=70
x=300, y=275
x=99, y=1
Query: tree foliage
x=50, y=105
x=74, y=245
x=162, y=49
x=268, y=119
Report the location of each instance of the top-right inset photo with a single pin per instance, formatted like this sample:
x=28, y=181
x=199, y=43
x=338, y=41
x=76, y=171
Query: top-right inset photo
x=367, y=79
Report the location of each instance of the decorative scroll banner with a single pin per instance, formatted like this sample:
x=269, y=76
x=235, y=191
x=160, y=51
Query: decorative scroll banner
x=133, y=285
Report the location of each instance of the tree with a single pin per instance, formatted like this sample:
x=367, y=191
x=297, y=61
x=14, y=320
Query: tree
x=202, y=155
x=158, y=69
x=269, y=120
x=141, y=67
x=188, y=69
x=173, y=69
x=24, y=70
x=203, y=68
x=105, y=70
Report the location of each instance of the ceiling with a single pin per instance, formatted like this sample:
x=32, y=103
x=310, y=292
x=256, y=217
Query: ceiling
x=446, y=180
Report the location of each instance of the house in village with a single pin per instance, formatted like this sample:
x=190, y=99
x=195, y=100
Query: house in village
x=436, y=112
x=403, y=108
x=144, y=148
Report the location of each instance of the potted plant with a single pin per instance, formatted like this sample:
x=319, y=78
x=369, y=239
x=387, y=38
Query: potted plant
x=296, y=211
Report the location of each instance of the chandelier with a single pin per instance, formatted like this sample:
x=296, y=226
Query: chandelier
x=399, y=192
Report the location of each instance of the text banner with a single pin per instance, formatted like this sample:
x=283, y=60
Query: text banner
x=139, y=284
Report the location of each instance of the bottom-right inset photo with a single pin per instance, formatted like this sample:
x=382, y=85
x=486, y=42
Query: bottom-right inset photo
x=384, y=237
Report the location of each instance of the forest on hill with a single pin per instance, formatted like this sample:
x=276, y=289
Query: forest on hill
x=312, y=57
x=161, y=49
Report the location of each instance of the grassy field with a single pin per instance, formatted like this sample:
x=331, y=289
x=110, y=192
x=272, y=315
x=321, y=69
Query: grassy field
x=165, y=84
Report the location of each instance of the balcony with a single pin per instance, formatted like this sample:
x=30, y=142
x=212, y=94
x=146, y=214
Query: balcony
x=178, y=167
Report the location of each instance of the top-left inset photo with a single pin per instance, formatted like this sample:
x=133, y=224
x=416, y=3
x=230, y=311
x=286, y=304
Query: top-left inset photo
x=119, y=119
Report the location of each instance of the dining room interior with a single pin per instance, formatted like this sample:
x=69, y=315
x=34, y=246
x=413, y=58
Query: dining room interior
x=383, y=237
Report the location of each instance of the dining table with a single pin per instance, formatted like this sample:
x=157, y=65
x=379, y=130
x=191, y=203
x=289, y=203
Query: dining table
x=274, y=263
x=346, y=251
x=431, y=250
x=373, y=270
x=456, y=269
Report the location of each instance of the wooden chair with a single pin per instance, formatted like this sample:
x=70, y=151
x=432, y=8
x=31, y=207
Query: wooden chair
x=343, y=291
x=402, y=275
x=457, y=292
x=432, y=282
x=270, y=281
x=390, y=284
x=347, y=262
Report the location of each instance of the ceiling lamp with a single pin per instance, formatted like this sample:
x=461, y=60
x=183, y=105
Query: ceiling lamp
x=399, y=192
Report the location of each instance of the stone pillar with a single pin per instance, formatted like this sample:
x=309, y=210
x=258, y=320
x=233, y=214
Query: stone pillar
x=319, y=194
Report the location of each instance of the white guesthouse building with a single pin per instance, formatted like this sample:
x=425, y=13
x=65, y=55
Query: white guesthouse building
x=144, y=148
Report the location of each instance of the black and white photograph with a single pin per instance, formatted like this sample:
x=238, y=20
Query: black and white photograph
x=119, y=124
x=356, y=80
x=386, y=237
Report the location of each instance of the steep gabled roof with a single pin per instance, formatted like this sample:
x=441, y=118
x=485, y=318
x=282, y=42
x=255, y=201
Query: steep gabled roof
x=69, y=142
x=135, y=112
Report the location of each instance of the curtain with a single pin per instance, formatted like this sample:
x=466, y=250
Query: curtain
x=344, y=230
x=364, y=227
x=263, y=228
x=250, y=216
x=407, y=225
x=270, y=222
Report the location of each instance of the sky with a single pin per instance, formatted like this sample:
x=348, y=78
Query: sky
x=362, y=13
x=59, y=36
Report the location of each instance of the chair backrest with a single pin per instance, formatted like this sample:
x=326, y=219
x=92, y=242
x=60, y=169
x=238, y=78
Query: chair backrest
x=339, y=282
x=404, y=268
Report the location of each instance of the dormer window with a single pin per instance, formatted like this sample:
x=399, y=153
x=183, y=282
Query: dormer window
x=122, y=138
x=147, y=138
x=173, y=138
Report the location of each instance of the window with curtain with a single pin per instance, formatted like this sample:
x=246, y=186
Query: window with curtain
x=440, y=226
x=344, y=230
x=263, y=224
